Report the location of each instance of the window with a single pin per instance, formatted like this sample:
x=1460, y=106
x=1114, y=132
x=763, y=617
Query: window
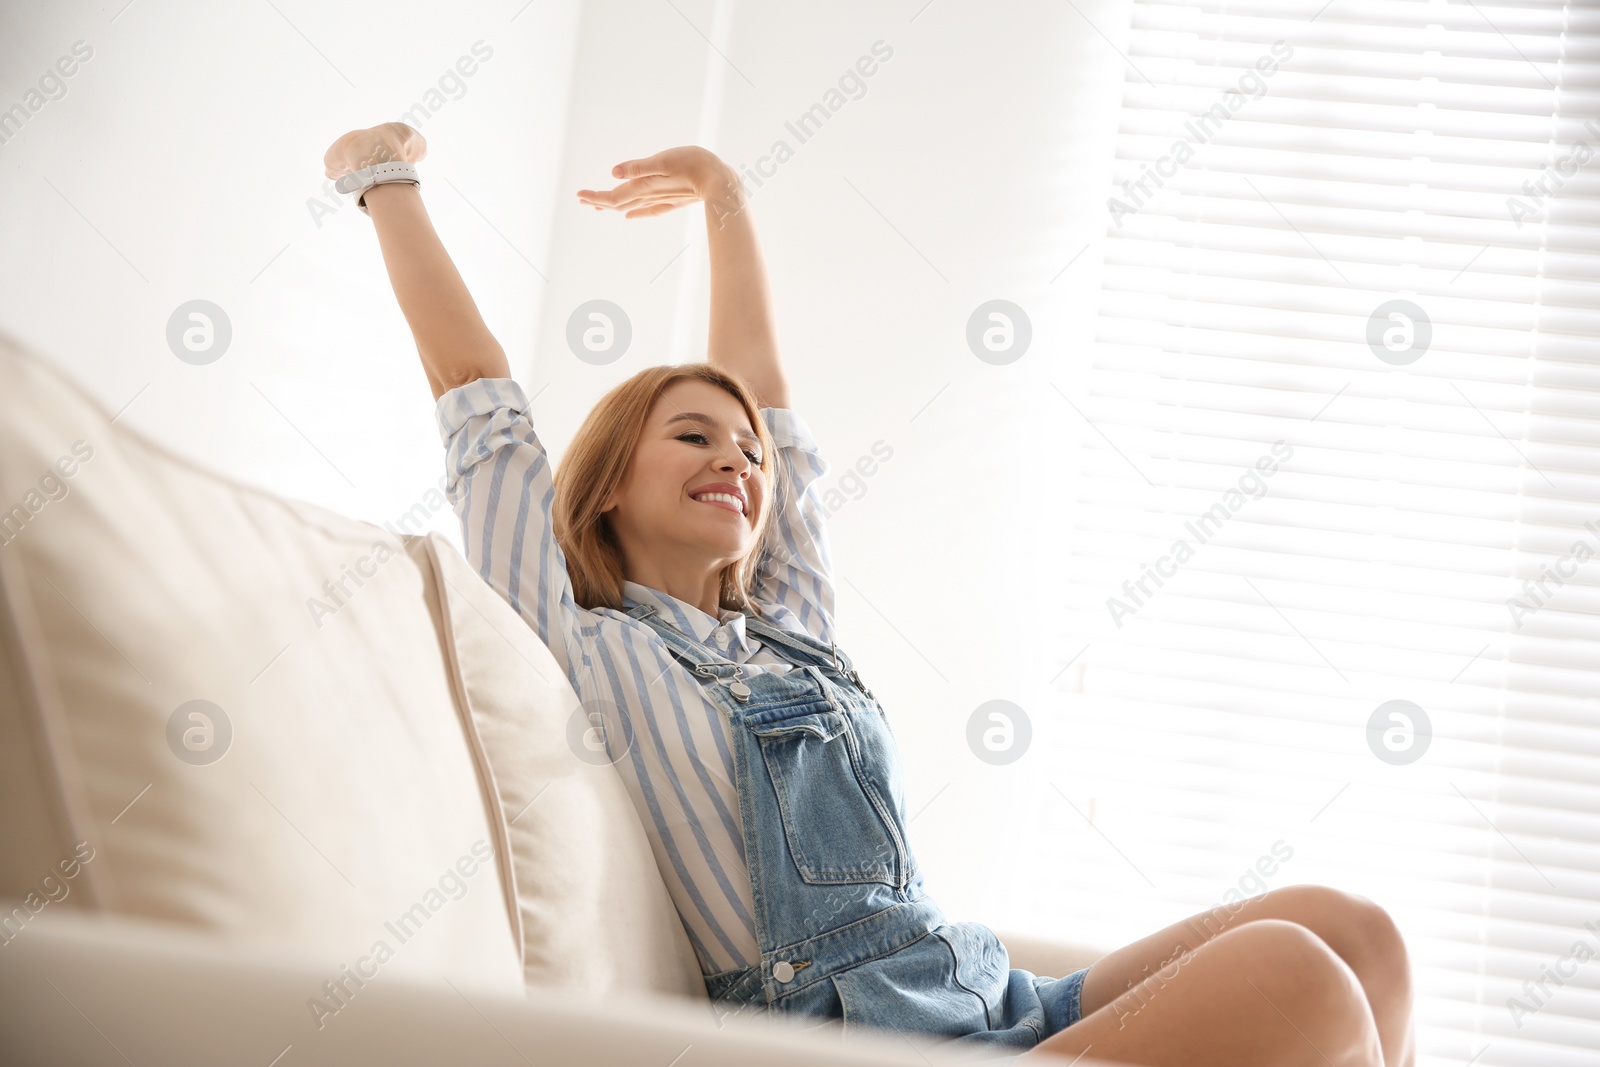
x=1336, y=547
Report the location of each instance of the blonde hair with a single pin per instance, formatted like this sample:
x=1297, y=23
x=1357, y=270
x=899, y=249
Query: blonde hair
x=594, y=466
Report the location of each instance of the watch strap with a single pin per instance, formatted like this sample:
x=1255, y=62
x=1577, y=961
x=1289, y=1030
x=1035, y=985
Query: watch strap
x=357, y=182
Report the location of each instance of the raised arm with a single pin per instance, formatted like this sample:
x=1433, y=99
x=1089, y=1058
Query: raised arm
x=455, y=345
x=796, y=575
x=499, y=478
x=741, y=337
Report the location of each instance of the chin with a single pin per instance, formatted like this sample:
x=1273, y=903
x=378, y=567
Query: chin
x=733, y=553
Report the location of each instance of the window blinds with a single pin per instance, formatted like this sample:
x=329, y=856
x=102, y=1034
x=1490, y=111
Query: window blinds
x=1335, y=546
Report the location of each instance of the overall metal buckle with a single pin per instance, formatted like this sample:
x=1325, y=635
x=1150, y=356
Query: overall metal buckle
x=739, y=690
x=850, y=673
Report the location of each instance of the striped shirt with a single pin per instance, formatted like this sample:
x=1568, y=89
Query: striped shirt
x=679, y=769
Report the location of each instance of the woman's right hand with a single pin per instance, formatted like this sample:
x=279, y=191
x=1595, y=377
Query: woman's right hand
x=387, y=142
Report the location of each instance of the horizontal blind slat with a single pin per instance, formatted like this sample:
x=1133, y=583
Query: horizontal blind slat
x=1263, y=204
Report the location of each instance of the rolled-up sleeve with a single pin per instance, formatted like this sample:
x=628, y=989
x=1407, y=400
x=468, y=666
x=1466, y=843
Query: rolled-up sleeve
x=796, y=570
x=500, y=482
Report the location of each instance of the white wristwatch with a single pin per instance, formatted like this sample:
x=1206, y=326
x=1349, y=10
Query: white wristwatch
x=357, y=182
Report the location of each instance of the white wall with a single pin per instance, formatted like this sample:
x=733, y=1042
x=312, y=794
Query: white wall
x=973, y=166
x=179, y=165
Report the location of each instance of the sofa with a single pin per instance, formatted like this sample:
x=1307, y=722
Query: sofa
x=281, y=786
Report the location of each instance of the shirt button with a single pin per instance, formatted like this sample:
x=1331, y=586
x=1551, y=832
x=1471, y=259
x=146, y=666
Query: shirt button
x=782, y=971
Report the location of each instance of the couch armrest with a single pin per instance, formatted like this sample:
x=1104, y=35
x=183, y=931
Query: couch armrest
x=84, y=991
x=1047, y=956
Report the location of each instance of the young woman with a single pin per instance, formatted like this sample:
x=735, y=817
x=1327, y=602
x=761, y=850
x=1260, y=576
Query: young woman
x=677, y=567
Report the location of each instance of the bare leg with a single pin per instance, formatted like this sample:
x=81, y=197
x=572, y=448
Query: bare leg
x=1263, y=994
x=1358, y=931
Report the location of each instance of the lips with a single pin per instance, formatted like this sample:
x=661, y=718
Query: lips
x=740, y=504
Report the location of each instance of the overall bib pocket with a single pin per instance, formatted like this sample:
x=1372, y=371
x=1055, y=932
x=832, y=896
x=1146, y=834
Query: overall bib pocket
x=838, y=827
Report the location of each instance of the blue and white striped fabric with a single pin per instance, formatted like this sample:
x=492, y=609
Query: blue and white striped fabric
x=679, y=769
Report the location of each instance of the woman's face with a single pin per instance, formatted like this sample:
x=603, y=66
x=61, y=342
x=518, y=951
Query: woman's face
x=696, y=451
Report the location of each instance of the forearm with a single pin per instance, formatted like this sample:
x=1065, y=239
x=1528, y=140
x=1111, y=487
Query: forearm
x=741, y=337
x=455, y=345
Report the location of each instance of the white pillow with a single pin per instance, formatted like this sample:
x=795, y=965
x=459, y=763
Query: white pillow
x=595, y=913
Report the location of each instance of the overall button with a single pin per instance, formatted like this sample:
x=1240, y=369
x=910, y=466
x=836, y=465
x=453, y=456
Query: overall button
x=782, y=971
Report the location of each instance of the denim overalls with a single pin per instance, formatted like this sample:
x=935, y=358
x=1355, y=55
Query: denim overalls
x=844, y=927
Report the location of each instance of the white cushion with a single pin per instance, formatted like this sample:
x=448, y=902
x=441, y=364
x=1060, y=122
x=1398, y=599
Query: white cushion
x=595, y=913
x=133, y=581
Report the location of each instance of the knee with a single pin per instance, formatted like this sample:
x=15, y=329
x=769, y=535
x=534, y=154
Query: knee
x=1299, y=965
x=1382, y=959
x=1306, y=984
x=1362, y=932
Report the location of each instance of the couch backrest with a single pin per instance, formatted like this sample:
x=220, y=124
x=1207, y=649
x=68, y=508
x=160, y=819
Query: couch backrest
x=235, y=711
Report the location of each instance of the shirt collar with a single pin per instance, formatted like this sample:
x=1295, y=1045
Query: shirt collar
x=724, y=634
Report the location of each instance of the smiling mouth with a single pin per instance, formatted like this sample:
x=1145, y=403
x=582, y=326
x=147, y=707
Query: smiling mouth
x=721, y=500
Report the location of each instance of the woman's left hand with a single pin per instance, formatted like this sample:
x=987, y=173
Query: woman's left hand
x=663, y=182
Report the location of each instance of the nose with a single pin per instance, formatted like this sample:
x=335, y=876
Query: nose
x=737, y=462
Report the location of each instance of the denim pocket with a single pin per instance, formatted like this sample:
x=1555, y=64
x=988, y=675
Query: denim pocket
x=838, y=827
x=982, y=964
x=914, y=991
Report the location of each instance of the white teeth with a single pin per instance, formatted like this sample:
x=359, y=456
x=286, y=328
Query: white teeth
x=729, y=497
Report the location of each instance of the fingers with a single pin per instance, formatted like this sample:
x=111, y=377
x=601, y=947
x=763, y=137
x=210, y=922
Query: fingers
x=384, y=143
x=652, y=185
x=624, y=203
x=648, y=203
x=637, y=192
x=639, y=206
x=653, y=206
x=333, y=161
x=412, y=146
x=654, y=209
x=639, y=168
x=633, y=189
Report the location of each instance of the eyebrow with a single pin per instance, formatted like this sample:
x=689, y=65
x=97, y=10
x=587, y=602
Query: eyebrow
x=695, y=416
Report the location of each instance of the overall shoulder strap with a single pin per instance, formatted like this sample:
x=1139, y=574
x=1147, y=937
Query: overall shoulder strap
x=686, y=648
x=799, y=647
